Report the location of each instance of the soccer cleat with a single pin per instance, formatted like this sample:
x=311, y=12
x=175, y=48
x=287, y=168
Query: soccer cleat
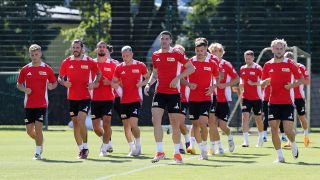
x=260, y=142
x=231, y=145
x=187, y=145
x=265, y=139
x=280, y=160
x=37, y=157
x=158, y=157
x=204, y=155
x=182, y=151
x=191, y=150
x=245, y=145
x=219, y=151
x=178, y=158
x=110, y=149
x=284, y=139
x=84, y=154
x=306, y=141
x=211, y=152
x=138, y=151
x=295, y=152
x=103, y=153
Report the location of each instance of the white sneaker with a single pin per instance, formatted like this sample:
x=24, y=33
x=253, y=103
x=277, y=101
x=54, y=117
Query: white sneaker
x=204, y=155
x=260, y=142
x=219, y=151
x=37, y=157
x=231, y=145
x=138, y=150
x=103, y=154
x=295, y=151
x=280, y=160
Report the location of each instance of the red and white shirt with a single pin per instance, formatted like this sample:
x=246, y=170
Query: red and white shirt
x=299, y=91
x=168, y=65
x=229, y=73
x=253, y=74
x=104, y=92
x=36, y=78
x=203, y=77
x=129, y=76
x=79, y=73
x=281, y=74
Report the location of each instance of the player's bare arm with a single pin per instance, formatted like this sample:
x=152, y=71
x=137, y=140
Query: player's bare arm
x=265, y=83
x=234, y=81
x=294, y=84
x=145, y=81
x=22, y=88
x=64, y=83
x=151, y=80
x=52, y=86
x=189, y=69
x=95, y=83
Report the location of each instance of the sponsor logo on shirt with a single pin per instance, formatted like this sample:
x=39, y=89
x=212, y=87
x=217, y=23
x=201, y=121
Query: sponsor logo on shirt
x=170, y=59
x=252, y=73
x=207, y=68
x=135, y=70
x=29, y=74
x=43, y=73
x=71, y=67
x=107, y=69
x=84, y=67
x=285, y=70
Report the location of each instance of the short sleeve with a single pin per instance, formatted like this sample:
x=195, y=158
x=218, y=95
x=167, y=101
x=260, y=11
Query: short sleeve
x=22, y=76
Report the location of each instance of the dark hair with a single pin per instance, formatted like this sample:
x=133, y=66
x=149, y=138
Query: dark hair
x=201, y=42
x=101, y=42
x=166, y=33
x=110, y=48
x=249, y=52
x=77, y=41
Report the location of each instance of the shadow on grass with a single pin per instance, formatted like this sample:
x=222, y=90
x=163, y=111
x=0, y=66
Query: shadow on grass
x=251, y=154
x=239, y=156
x=108, y=160
x=193, y=164
x=124, y=156
x=232, y=161
x=303, y=163
x=60, y=161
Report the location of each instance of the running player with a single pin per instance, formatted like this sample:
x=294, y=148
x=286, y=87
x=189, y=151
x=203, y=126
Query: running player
x=34, y=79
x=230, y=78
x=129, y=73
x=278, y=73
x=79, y=70
x=166, y=69
x=251, y=96
x=102, y=98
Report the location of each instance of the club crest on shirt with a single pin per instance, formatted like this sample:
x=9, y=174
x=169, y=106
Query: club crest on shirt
x=207, y=68
x=170, y=59
x=43, y=73
x=135, y=70
x=285, y=70
x=252, y=73
x=84, y=67
x=107, y=69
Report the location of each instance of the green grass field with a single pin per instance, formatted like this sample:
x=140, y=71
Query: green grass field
x=60, y=162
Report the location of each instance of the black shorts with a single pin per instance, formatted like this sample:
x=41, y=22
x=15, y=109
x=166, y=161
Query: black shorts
x=265, y=109
x=300, y=106
x=184, y=108
x=129, y=110
x=171, y=102
x=34, y=114
x=198, y=109
x=281, y=112
x=79, y=105
x=252, y=105
x=116, y=106
x=222, y=111
x=213, y=104
x=100, y=109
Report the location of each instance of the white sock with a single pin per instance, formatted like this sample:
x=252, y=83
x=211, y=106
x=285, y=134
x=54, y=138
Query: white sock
x=176, y=148
x=110, y=143
x=159, y=147
x=280, y=154
x=80, y=147
x=104, y=147
x=264, y=133
x=212, y=143
x=138, y=141
x=180, y=145
x=230, y=137
x=192, y=141
x=260, y=135
x=246, y=137
x=219, y=144
x=186, y=138
x=305, y=132
x=38, y=150
x=85, y=145
x=293, y=145
x=132, y=146
x=203, y=146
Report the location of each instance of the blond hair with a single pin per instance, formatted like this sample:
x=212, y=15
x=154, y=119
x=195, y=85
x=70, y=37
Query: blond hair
x=178, y=46
x=216, y=46
x=289, y=55
x=34, y=47
x=279, y=41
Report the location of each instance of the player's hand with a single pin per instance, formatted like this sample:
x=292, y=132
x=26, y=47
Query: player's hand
x=265, y=82
x=146, y=90
x=93, y=85
x=106, y=81
x=221, y=85
x=67, y=84
x=50, y=86
x=174, y=82
x=251, y=83
x=209, y=91
x=139, y=84
x=27, y=91
x=192, y=86
x=289, y=86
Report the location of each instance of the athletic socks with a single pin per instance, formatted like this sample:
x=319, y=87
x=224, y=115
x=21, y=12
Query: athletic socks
x=246, y=138
x=176, y=148
x=159, y=147
x=38, y=150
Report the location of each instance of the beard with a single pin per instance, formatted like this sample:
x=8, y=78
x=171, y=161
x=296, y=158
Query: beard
x=101, y=54
x=76, y=54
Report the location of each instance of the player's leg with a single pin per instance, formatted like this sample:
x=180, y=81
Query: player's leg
x=257, y=107
x=73, y=109
x=246, y=109
x=288, y=118
x=84, y=106
x=274, y=122
x=265, y=120
x=134, y=115
x=300, y=106
x=223, y=123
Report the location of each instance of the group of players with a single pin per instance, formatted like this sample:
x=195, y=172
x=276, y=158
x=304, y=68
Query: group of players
x=200, y=85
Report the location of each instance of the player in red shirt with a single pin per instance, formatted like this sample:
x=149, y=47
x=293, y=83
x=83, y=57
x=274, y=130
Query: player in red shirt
x=34, y=80
x=129, y=73
x=167, y=63
x=201, y=89
x=251, y=96
x=102, y=98
x=299, y=101
x=79, y=70
x=229, y=78
x=279, y=73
